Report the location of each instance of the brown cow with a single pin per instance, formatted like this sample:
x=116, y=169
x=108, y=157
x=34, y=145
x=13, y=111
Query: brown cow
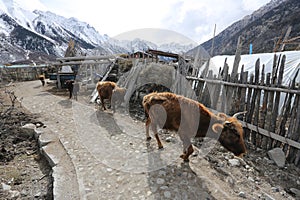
x=42, y=79
x=109, y=90
x=191, y=119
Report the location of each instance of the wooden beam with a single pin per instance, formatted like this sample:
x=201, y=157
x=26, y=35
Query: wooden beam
x=245, y=85
x=86, y=58
x=271, y=135
x=79, y=63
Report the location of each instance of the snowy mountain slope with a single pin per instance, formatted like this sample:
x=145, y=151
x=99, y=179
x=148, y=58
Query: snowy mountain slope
x=43, y=35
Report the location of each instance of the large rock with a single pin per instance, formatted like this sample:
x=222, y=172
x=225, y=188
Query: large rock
x=277, y=155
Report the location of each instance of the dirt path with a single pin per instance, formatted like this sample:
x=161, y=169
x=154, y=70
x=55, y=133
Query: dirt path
x=109, y=158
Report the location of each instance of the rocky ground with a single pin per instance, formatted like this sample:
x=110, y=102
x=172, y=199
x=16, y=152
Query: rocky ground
x=24, y=173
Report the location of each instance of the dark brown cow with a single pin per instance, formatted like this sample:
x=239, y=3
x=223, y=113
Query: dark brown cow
x=109, y=90
x=191, y=119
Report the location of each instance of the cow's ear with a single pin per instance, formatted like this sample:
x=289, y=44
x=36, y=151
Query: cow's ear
x=158, y=99
x=222, y=116
x=217, y=128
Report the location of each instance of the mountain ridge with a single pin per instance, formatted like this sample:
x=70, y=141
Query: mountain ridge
x=261, y=29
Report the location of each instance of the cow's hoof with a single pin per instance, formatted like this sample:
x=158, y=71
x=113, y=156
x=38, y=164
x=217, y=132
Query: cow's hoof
x=148, y=138
x=185, y=159
x=160, y=148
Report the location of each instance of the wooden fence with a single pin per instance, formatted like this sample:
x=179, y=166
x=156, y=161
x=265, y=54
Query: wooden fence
x=273, y=110
x=20, y=73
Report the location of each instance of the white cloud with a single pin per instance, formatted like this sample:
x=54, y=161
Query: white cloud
x=192, y=18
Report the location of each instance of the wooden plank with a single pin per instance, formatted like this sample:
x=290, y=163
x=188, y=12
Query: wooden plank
x=277, y=96
x=243, y=91
x=249, y=95
x=224, y=78
x=258, y=108
x=230, y=89
x=237, y=59
x=248, y=117
x=271, y=135
x=254, y=106
x=264, y=111
x=79, y=63
x=270, y=89
x=294, y=127
x=237, y=95
x=200, y=84
x=271, y=100
x=205, y=97
x=217, y=90
x=86, y=58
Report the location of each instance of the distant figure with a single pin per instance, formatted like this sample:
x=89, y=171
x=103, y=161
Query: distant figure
x=42, y=78
x=70, y=86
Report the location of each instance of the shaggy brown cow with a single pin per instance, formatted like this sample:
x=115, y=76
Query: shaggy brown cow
x=191, y=119
x=110, y=90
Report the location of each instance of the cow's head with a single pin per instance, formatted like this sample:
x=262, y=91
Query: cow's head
x=232, y=135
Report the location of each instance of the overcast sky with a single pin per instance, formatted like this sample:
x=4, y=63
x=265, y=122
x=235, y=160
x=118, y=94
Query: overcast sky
x=194, y=19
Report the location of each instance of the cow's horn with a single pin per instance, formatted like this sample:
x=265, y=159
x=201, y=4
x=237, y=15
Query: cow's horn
x=217, y=128
x=239, y=113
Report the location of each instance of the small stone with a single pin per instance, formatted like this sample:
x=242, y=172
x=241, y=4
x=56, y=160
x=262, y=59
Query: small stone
x=109, y=169
x=5, y=187
x=167, y=194
x=160, y=181
x=298, y=182
x=234, y=162
x=14, y=194
x=242, y=194
x=162, y=173
x=267, y=197
x=24, y=192
x=169, y=139
x=275, y=189
x=295, y=191
x=283, y=193
x=164, y=187
x=250, y=179
x=37, y=194
x=278, y=156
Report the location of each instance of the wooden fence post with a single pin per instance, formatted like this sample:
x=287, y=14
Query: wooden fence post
x=224, y=78
x=269, y=123
x=233, y=76
x=253, y=104
x=257, y=114
x=277, y=97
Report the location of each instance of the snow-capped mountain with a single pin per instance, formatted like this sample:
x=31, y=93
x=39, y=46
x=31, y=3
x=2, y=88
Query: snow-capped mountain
x=43, y=35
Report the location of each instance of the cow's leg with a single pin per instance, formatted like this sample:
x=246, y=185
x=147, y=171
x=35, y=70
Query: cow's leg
x=187, y=147
x=187, y=153
x=110, y=103
x=148, y=121
x=102, y=102
x=154, y=129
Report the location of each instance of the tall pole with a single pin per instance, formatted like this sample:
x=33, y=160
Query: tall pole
x=213, y=42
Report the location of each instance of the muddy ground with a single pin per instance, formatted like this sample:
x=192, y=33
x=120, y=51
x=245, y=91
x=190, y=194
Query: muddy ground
x=24, y=172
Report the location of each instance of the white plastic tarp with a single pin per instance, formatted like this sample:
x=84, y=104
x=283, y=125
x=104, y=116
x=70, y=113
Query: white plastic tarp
x=66, y=69
x=292, y=64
